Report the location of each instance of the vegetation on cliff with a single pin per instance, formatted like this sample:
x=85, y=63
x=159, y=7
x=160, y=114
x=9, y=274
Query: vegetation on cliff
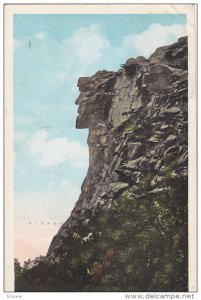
x=138, y=243
x=129, y=229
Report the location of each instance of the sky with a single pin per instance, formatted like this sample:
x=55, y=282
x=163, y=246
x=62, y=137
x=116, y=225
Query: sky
x=50, y=53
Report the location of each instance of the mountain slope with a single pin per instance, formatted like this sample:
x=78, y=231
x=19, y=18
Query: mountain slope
x=129, y=228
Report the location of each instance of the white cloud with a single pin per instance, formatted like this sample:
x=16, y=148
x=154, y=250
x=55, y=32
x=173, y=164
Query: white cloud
x=41, y=35
x=155, y=36
x=16, y=44
x=20, y=136
x=56, y=202
x=61, y=76
x=56, y=151
x=36, y=144
x=23, y=119
x=86, y=44
x=64, y=184
x=54, y=62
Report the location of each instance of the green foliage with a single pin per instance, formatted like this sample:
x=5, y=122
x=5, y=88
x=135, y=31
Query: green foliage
x=131, y=128
x=140, y=244
x=170, y=167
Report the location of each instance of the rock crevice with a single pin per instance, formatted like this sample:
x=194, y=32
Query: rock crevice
x=138, y=140
x=137, y=120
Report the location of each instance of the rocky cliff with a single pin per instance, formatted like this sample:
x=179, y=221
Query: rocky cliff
x=128, y=230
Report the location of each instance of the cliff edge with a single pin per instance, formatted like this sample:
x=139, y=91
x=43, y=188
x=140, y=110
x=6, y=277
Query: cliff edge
x=128, y=230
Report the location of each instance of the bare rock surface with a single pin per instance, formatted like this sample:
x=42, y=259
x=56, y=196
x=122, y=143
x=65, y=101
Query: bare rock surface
x=137, y=119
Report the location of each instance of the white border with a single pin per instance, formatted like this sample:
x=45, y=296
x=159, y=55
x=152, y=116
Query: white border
x=111, y=8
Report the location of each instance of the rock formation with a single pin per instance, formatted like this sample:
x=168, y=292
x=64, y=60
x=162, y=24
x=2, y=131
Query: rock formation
x=131, y=218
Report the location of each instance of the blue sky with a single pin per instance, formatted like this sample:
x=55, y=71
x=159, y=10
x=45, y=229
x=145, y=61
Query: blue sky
x=50, y=53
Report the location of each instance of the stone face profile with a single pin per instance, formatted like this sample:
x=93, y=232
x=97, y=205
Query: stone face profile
x=146, y=109
x=134, y=199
